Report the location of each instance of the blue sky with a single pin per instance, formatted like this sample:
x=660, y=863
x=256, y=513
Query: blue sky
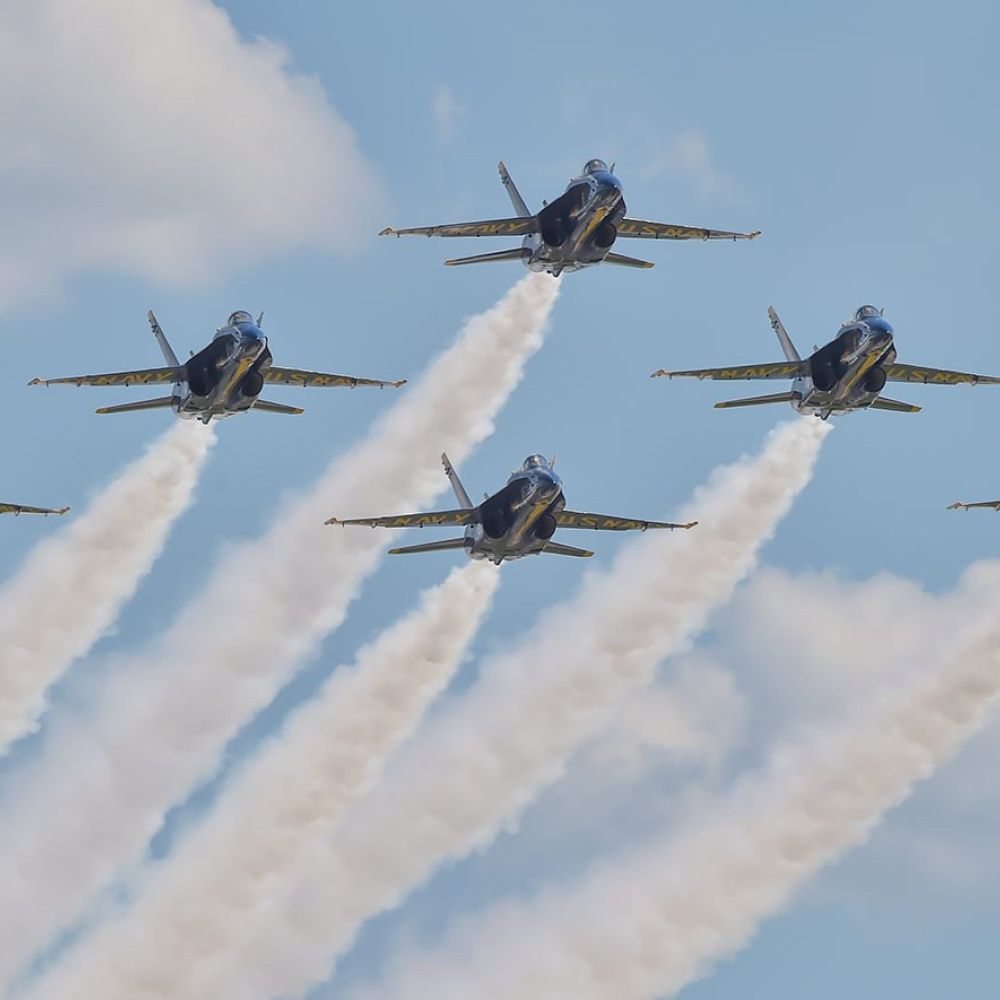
x=859, y=138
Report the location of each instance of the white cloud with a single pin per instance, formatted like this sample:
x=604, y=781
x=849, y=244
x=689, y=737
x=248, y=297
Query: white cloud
x=150, y=138
x=447, y=111
x=689, y=156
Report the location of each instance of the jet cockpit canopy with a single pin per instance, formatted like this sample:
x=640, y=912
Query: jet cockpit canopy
x=240, y=316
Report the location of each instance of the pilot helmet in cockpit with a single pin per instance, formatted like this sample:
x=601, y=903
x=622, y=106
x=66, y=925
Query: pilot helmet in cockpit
x=593, y=166
x=240, y=316
x=866, y=313
x=535, y=462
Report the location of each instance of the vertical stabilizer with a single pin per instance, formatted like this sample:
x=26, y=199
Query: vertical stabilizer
x=786, y=342
x=515, y=196
x=168, y=351
x=456, y=484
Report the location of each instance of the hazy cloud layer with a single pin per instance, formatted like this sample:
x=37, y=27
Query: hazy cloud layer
x=150, y=138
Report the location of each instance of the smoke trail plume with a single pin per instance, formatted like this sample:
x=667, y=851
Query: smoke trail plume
x=500, y=744
x=72, y=586
x=650, y=922
x=199, y=900
x=159, y=725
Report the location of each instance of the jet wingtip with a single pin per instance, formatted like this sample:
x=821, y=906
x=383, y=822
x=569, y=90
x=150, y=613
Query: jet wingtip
x=334, y=520
x=958, y=505
x=660, y=373
x=37, y=381
x=753, y=235
x=388, y=231
x=61, y=510
x=689, y=525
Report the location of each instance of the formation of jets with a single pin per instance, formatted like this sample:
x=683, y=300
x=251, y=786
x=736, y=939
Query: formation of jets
x=576, y=230
x=518, y=520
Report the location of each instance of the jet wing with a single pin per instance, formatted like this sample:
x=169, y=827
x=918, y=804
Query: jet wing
x=638, y=229
x=988, y=504
x=605, y=522
x=295, y=376
x=780, y=369
x=146, y=376
x=936, y=376
x=489, y=227
x=469, y=515
x=16, y=508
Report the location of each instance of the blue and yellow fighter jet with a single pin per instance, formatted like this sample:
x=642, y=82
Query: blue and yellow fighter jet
x=576, y=230
x=846, y=375
x=222, y=379
x=517, y=521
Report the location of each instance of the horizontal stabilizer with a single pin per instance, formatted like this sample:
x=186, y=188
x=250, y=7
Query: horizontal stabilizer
x=520, y=253
x=558, y=549
x=442, y=546
x=774, y=397
x=265, y=406
x=161, y=403
x=893, y=404
x=623, y=261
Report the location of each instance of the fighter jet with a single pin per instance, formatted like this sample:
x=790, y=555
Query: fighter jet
x=517, y=521
x=576, y=230
x=846, y=375
x=988, y=504
x=16, y=508
x=222, y=379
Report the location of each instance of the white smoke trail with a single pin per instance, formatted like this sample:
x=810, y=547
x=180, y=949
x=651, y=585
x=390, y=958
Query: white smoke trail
x=159, y=725
x=72, y=586
x=199, y=900
x=500, y=744
x=649, y=923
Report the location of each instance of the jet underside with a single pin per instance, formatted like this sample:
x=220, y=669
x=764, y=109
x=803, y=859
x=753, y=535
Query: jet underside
x=518, y=521
x=225, y=378
x=578, y=229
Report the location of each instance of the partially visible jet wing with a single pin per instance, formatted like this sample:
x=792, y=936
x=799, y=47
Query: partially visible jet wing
x=990, y=504
x=16, y=508
x=638, y=229
x=430, y=519
x=780, y=369
x=605, y=522
x=936, y=376
x=488, y=227
x=295, y=376
x=147, y=376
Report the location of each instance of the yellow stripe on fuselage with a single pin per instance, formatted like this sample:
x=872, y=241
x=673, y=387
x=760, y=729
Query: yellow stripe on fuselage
x=598, y=216
x=852, y=379
x=533, y=515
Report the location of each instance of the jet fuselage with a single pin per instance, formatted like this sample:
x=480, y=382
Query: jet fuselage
x=227, y=376
x=520, y=519
x=848, y=374
x=580, y=226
